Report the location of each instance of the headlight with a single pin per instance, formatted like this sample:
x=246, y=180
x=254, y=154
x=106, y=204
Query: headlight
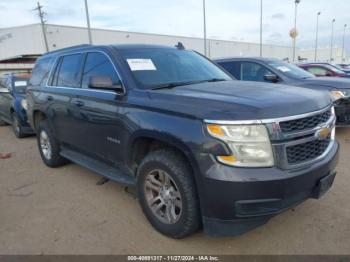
x=250, y=144
x=24, y=104
x=337, y=95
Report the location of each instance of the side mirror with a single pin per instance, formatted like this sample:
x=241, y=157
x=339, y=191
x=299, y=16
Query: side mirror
x=104, y=82
x=329, y=74
x=4, y=90
x=271, y=78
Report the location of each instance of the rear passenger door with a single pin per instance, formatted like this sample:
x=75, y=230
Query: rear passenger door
x=97, y=119
x=65, y=84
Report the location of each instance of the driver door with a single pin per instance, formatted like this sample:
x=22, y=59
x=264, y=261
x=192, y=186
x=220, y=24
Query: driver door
x=5, y=99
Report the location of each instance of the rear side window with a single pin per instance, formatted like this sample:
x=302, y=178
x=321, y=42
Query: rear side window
x=98, y=64
x=319, y=71
x=68, y=72
x=233, y=68
x=41, y=72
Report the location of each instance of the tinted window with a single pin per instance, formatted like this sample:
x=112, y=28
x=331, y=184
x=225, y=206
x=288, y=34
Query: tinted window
x=253, y=72
x=69, y=71
x=41, y=71
x=98, y=64
x=155, y=67
x=233, y=68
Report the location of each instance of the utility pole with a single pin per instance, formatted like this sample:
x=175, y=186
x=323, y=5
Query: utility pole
x=318, y=15
x=204, y=29
x=41, y=15
x=88, y=21
x=295, y=26
x=261, y=21
x=332, y=36
x=342, y=51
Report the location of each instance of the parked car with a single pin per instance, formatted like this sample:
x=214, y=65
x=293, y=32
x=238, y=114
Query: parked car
x=200, y=147
x=13, y=103
x=276, y=71
x=324, y=69
x=344, y=66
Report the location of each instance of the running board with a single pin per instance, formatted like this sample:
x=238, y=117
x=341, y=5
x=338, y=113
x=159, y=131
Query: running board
x=112, y=173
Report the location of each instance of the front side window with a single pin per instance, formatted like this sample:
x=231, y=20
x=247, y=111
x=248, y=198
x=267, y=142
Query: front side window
x=68, y=74
x=156, y=67
x=253, y=72
x=98, y=64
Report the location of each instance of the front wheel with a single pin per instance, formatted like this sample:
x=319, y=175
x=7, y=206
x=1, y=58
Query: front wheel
x=17, y=127
x=167, y=193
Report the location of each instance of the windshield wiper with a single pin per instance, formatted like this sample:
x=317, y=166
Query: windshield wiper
x=215, y=80
x=175, y=84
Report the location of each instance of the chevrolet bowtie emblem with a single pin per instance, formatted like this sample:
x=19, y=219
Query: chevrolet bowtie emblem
x=323, y=133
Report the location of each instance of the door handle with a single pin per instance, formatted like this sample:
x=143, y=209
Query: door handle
x=78, y=103
x=49, y=98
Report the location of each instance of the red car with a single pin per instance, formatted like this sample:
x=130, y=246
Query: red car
x=323, y=69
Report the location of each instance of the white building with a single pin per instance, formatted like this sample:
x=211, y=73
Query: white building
x=18, y=45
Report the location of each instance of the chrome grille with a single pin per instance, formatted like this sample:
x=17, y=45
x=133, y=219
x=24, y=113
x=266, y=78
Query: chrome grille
x=305, y=123
x=307, y=151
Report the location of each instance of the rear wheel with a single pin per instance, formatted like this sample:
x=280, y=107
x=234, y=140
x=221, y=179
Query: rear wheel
x=16, y=125
x=49, y=147
x=167, y=193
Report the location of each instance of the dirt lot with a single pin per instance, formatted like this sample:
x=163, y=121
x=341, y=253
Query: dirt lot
x=63, y=211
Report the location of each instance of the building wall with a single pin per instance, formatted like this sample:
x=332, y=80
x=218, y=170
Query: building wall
x=324, y=54
x=29, y=40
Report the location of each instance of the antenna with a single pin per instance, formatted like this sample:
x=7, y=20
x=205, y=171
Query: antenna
x=42, y=15
x=180, y=46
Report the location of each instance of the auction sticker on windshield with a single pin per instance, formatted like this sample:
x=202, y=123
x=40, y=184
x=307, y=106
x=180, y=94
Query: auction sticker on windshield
x=20, y=83
x=283, y=68
x=138, y=64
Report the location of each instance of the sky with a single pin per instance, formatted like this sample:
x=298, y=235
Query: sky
x=226, y=19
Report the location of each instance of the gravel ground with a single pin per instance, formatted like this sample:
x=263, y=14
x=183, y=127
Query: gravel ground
x=63, y=211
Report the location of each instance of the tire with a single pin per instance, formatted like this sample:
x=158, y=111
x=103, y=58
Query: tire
x=3, y=123
x=183, y=206
x=49, y=147
x=16, y=126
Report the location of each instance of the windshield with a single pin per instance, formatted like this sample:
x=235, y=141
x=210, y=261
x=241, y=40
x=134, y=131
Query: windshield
x=291, y=70
x=157, y=67
x=20, y=84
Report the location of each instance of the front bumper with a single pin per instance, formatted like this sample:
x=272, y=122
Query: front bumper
x=236, y=200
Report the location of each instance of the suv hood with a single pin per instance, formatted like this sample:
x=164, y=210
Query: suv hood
x=239, y=100
x=331, y=82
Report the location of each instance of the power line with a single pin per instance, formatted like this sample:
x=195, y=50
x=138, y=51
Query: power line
x=42, y=15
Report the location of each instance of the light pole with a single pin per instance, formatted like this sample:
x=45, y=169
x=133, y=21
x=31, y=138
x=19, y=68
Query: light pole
x=318, y=14
x=88, y=21
x=261, y=19
x=332, y=35
x=204, y=30
x=342, y=51
x=295, y=27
